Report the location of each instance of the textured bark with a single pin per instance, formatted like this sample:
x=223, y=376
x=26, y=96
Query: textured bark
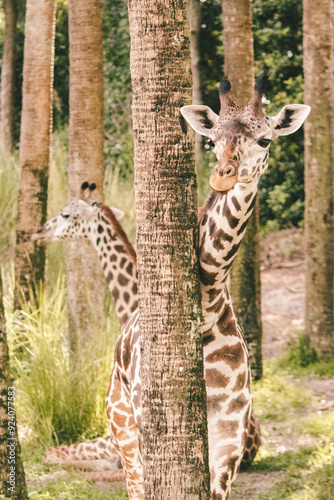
x=175, y=453
x=195, y=27
x=85, y=280
x=7, y=436
x=7, y=74
x=36, y=125
x=245, y=274
x=319, y=177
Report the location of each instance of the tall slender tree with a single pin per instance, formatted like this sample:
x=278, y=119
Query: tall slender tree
x=319, y=227
x=36, y=126
x=7, y=74
x=175, y=456
x=85, y=279
x=195, y=27
x=12, y=477
x=245, y=275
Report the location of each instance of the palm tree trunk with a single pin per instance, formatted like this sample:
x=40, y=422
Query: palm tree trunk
x=195, y=27
x=245, y=274
x=36, y=126
x=85, y=280
x=319, y=227
x=175, y=453
x=12, y=477
x=7, y=75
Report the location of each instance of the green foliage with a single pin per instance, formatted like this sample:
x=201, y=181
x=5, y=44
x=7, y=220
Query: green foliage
x=61, y=67
x=301, y=359
x=118, y=120
x=275, y=397
x=277, y=28
x=55, y=401
x=301, y=353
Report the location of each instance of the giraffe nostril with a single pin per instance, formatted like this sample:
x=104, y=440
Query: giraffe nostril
x=228, y=171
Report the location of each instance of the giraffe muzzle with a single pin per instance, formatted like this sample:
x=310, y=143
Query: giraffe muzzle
x=223, y=178
x=41, y=237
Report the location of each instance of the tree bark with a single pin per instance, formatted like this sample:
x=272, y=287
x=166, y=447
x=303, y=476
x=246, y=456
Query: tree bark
x=85, y=280
x=175, y=450
x=12, y=477
x=7, y=75
x=245, y=274
x=36, y=126
x=319, y=177
x=195, y=27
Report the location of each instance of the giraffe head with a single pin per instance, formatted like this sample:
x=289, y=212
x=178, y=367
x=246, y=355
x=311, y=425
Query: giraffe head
x=241, y=136
x=75, y=220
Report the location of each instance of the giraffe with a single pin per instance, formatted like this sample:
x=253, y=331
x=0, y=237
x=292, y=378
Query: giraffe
x=82, y=219
x=85, y=218
x=241, y=137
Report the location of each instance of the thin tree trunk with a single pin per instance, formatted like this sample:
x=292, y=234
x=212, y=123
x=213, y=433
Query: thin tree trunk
x=12, y=477
x=319, y=226
x=7, y=75
x=36, y=126
x=195, y=27
x=245, y=274
x=85, y=280
x=175, y=450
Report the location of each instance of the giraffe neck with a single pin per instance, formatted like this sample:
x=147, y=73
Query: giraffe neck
x=118, y=262
x=223, y=222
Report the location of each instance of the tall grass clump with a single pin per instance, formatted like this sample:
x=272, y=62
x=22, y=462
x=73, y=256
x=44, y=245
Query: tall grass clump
x=58, y=401
x=9, y=175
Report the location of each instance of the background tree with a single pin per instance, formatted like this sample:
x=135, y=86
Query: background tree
x=173, y=390
x=319, y=178
x=7, y=74
x=7, y=436
x=245, y=274
x=85, y=280
x=195, y=29
x=36, y=126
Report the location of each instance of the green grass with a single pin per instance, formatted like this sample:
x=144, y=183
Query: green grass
x=55, y=402
x=275, y=397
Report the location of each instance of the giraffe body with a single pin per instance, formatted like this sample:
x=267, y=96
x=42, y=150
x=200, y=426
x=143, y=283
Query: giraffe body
x=241, y=137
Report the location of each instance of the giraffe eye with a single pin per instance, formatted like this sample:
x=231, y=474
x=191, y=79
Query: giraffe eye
x=66, y=216
x=211, y=143
x=264, y=142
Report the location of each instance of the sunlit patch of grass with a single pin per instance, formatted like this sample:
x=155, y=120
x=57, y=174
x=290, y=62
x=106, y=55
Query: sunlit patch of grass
x=275, y=397
x=56, y=402
x=287, y=460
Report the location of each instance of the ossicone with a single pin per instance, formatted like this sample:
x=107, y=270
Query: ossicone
x=225, y=96
x=260, y=87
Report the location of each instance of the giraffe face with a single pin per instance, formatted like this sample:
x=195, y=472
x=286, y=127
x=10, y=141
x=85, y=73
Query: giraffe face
x=242, y=135
x=77, y=219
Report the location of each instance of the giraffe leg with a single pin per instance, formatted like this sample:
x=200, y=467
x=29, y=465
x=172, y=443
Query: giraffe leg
x=253, y=441
x=226, y=446
x=124, y=434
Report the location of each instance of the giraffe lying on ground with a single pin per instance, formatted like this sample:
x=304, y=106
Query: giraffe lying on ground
x=82, y=219
x=241, y=138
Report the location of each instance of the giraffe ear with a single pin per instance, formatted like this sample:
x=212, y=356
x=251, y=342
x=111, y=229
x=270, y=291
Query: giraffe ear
x=289, y=119
x=201, y=118
x=119, y=214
